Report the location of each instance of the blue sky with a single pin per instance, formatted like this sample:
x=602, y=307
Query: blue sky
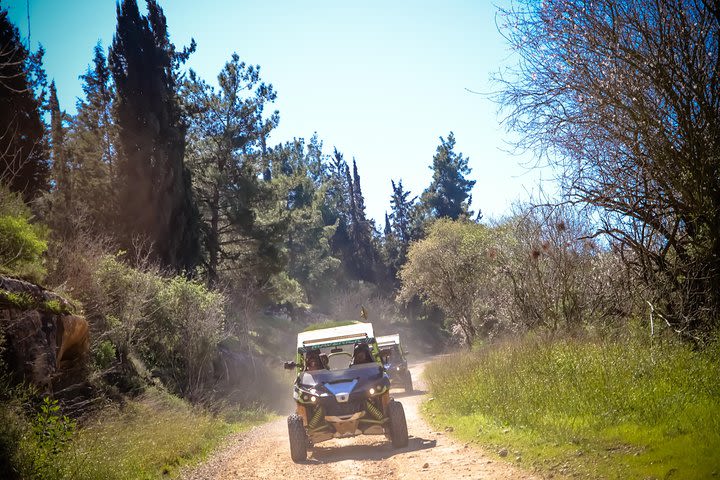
x=379, y=80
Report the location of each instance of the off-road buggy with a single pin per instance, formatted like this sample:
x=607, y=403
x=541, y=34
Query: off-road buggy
x=341, y=390
x=393, y=358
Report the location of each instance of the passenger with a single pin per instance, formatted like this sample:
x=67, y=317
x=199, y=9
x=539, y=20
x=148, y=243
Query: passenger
x=361, y=354
x=312, y=361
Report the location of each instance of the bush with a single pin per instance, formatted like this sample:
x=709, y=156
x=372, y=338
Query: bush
x=22, y=243
x=150, y=437
x=168, y=328
x=52, y=433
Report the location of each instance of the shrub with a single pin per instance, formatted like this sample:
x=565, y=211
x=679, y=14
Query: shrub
x=105, y=354
x=52, y=433
x=22, y=243
x=168, y=328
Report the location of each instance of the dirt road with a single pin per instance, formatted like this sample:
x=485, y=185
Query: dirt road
x=264, y=453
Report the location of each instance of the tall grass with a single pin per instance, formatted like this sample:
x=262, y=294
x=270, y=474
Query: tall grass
x=658, y=405
x=148, y=438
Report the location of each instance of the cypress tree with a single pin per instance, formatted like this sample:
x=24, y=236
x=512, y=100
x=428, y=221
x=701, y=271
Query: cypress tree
x=23, y=150
x=155, y=197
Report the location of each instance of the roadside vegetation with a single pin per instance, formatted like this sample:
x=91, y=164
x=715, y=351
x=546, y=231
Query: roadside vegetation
x=194, y=251
x=593, y=408
x=151, y=436
x=591, y=321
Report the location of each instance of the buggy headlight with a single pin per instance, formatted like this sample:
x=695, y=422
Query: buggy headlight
x=377, y=390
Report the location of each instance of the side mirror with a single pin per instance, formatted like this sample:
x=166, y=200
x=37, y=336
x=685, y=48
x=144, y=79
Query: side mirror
x=289, y=365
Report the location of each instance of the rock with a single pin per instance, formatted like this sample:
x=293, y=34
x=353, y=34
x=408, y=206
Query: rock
x=449, y=429
x=45, y=345
x=506, y=430
x=425, y=465
x=503, y=452
x=518, y=458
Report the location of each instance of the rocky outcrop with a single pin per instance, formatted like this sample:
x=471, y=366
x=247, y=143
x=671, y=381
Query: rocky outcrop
x=45, y=343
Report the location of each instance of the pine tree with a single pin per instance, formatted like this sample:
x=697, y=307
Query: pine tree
x=156, y=202
x=299, y=178
x=227, y=132
x=448, y=196
x=23, y=162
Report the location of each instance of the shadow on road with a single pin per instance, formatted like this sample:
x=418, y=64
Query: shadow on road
x=374, y=452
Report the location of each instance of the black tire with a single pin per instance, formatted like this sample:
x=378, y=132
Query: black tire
x=298, y=438
x=398, y=425
x=408, y=383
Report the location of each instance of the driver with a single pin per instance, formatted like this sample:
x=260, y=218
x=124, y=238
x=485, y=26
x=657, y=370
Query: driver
x=312, y=360
x=361, y=354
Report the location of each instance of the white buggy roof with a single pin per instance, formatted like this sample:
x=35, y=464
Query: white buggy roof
x=325, y=336
x=387, y=340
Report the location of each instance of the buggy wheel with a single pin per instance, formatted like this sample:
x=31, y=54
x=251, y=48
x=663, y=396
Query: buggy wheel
x=408, y=383
x=398, y=425
x=298, y=438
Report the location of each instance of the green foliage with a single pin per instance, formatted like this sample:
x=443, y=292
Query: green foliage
x=22, y=243
x=448, y=196
x=172, y=325
x=25, y=301
x=633, y=408
x=150, y=437
x=226, y=127
x=450, y=270
x=155, y=193
x=14, y=427
x=300, y=186
x=52, y=434
x=23, y=161
x=105, y=354
x=21, y=301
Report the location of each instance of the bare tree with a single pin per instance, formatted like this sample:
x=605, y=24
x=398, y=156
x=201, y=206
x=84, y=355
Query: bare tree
x=624, y=97
x=559, y=278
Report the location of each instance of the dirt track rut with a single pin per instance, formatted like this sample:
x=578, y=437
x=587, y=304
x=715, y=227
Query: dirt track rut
x=264, y=453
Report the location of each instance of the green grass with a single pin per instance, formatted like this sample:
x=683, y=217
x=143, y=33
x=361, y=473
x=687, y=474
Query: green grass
x=149, y=438
x=598, y=410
